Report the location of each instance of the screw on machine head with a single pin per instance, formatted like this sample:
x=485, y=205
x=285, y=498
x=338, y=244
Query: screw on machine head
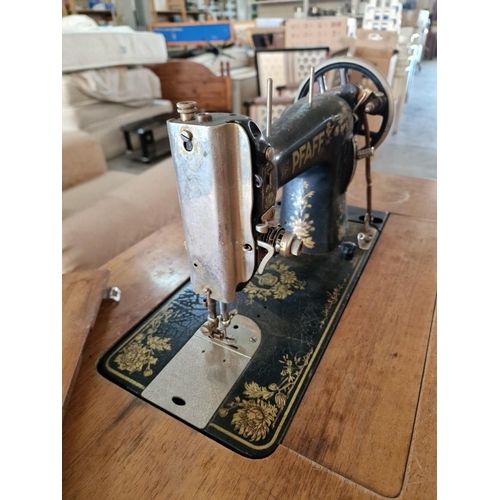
x=203, y=117
x=187, y=110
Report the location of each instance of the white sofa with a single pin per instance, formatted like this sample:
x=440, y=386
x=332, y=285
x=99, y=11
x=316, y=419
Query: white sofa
x=106, y=212
x=104, y=83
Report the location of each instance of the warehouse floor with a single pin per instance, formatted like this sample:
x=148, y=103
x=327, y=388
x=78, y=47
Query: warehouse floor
x=412, y=151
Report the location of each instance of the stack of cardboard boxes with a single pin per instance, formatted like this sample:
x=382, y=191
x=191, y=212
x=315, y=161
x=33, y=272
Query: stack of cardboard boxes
x=328, y=31
x=382, y=47
x=378, y=48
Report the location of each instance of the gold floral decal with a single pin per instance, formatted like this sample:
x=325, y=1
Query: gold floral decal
x=139, y=353
x=300, y=223
x=259, y=413
x=340, y=127
x=329, y=130
x=333, y=298
x=279, y=285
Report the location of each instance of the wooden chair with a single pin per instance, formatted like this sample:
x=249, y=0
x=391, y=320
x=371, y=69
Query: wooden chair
x=183, y=80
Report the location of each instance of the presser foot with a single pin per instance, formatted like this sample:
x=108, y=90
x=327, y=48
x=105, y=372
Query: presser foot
x=222, y=336
x=218, y=328
x=196, y=381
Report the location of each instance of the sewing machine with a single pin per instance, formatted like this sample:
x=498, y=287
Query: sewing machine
x=232, y=352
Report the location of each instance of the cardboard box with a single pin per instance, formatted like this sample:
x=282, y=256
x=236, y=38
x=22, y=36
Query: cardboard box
x=386, y=65
x=409, y=18
x=374, y=39
x=378, y=48
x=319, y=32
x=415, y=18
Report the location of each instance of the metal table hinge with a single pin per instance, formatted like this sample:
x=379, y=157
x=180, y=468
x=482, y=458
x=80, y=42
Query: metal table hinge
x=112, y=293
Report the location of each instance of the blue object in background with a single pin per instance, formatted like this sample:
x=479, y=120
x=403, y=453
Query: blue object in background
x=107, y=6
x=196, y=33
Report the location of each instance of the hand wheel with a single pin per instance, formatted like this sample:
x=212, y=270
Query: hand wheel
x=369, y=71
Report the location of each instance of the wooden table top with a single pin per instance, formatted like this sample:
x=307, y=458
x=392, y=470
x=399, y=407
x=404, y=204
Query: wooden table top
x=82, y=294
x=366, y=428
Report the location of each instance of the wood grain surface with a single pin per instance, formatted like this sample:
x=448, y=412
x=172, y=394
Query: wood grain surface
x=421, y=477
x=363, y=396
x=288, y=475
x=82, y=294
x=115, y=446
x=395, y=193
x=183, y=80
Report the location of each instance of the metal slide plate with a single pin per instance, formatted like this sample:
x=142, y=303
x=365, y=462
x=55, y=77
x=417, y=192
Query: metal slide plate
x=197, y=380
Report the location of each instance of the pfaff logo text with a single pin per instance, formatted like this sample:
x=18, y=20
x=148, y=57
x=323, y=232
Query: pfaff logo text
x=308, y=151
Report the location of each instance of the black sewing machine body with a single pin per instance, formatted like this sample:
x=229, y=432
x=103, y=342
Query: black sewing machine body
x=315, y=150
x=243, y=386
x=229, y=173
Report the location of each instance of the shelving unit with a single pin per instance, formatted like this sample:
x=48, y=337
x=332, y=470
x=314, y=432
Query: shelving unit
x=223, y=9
x=175, y=10
x=199, y=10
x=272, y=2
x=81, y=7
x=288, y=9
x=264, y=2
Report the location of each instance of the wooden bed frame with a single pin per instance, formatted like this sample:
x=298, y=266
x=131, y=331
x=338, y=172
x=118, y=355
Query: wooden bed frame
x=183, y=80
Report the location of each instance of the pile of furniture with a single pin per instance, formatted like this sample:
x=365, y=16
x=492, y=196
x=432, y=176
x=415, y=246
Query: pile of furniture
x=104, y=82
x=220, y=80
x=183, y=80
x=242, y=72
x=113, y=77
